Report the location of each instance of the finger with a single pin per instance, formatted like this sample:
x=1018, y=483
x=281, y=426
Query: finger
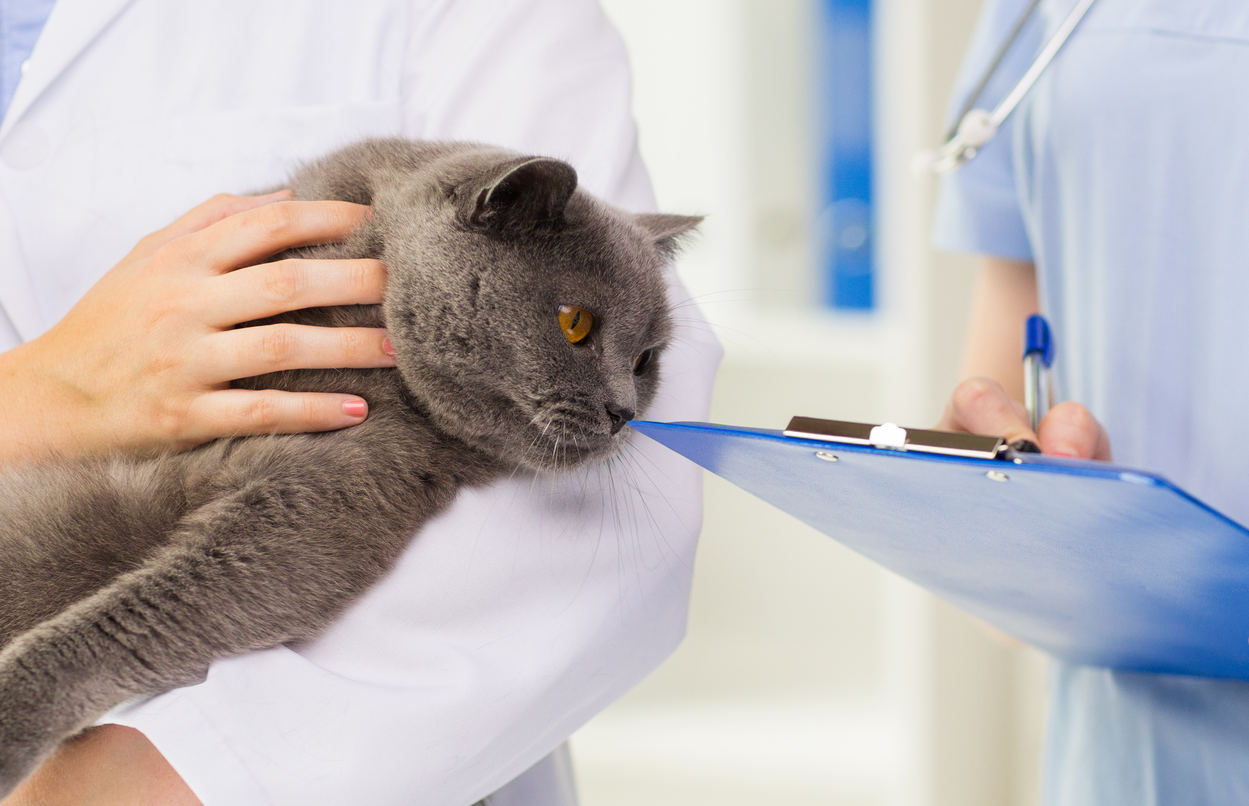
x=256, y=292
x=205, y=215
x=253, y=235
x=243, y=412
x=250, y=351
x=1070, y=430
x=981, y=406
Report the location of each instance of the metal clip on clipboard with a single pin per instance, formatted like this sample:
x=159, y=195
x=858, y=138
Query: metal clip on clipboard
x=892, y=437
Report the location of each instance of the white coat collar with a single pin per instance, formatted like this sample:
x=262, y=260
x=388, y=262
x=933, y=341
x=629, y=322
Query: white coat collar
x=70, y=28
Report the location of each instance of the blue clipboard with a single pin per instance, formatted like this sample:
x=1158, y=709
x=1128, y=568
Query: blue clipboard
x=1095, y=564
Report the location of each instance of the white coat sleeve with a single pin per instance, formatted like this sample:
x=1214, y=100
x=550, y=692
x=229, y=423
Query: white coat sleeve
x=528, y=606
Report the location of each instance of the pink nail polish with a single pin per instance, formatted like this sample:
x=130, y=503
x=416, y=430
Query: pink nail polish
x=354, y=408
x=387, y=347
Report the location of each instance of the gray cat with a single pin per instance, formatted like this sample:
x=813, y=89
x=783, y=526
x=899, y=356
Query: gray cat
x=528, y=320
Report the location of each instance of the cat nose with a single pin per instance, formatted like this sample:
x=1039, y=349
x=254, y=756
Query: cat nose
x=618, y=417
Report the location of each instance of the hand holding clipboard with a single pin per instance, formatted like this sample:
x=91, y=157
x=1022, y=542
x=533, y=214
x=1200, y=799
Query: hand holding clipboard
x=1096, y=564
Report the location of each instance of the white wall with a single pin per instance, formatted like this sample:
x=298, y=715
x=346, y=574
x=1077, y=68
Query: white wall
x=688, y=73
x=809, y=675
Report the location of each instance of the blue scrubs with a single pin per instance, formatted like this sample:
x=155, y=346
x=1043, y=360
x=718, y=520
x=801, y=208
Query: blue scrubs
x=21, y=22
x=1124, y=176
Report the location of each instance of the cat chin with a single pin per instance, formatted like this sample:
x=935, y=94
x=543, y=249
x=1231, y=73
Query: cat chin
x=563, y=457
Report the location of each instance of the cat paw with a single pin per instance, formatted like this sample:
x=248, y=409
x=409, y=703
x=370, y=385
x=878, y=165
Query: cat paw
x=19, y=754
x=30, y=720
x=17, y=762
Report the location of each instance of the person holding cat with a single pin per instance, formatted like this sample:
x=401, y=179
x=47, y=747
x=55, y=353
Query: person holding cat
x=506, y=625
x=1115, y=200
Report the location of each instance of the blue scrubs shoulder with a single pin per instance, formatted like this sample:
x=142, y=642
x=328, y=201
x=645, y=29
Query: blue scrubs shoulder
x=1124, y=176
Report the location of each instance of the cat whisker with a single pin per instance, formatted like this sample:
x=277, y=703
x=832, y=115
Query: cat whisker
x=620, y=552
x=633, y=459
x=745, y=295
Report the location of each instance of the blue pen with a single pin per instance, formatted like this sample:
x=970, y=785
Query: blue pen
x=1038, y=354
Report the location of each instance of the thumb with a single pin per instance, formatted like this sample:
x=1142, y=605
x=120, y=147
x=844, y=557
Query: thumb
x=981, y=406
x=1070, y=430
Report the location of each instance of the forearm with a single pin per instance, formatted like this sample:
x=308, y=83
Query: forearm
x=1005, y=296
x=110, y=765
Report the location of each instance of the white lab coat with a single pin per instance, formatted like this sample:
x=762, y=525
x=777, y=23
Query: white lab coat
x=528, y=606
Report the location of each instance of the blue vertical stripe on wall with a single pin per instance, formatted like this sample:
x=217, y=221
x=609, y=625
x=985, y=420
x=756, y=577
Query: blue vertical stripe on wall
x=847, y=224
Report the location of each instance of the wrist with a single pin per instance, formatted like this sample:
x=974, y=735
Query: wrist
x=44, y=416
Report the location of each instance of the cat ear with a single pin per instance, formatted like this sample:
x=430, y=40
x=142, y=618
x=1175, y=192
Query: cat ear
x=530, y=191
x=666, y=230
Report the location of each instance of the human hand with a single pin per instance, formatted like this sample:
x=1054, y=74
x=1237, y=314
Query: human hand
x=109, y=765
x=143, y=363
x=981, y=406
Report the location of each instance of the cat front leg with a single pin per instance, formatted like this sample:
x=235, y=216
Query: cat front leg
x=271, y=563
x=29, y=681
x=63, y=675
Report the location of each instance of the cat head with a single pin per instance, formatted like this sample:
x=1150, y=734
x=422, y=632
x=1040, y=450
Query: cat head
x=529, y=318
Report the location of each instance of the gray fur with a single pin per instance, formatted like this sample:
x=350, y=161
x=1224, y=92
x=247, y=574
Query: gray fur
x=125, y=577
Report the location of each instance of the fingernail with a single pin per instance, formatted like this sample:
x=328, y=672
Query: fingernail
x=387, y=347
x=280, y=195
x=1064, y=454
x=355, y=408
x=369, y=213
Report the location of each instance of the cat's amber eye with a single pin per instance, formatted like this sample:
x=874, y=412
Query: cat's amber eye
x=575, y=322
x=643, y=361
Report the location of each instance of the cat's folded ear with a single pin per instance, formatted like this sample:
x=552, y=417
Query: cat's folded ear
x=524, y=193
x=666, y=231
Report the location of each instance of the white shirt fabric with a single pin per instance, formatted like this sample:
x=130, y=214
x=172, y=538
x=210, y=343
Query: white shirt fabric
x=525, y=608
x=1124, y=176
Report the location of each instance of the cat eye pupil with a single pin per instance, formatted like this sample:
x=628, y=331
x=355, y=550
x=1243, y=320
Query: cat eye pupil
x=643, y=360
x=575, y=322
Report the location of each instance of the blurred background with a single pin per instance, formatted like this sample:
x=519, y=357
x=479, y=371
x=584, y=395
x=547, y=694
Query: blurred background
x=810, y=676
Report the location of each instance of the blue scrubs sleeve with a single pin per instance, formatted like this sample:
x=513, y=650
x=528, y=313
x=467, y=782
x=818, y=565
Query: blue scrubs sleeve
x=978, y=205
